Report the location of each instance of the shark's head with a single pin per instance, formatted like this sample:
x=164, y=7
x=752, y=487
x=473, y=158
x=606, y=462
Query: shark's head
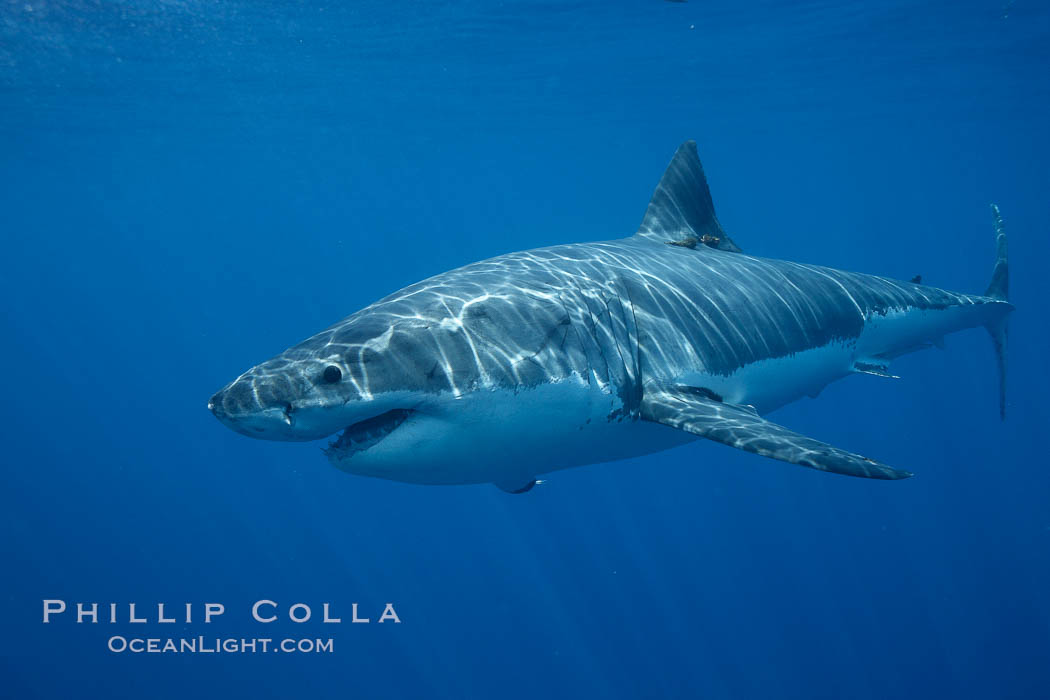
x=407, y=385
x=369, y=370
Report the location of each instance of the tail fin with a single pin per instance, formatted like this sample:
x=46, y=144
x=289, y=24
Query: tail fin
x=999, y=288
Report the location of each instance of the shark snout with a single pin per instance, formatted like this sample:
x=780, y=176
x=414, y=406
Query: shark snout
x=238, y=397
x=255, y=407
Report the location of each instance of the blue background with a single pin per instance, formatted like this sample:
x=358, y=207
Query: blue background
x=188, y=188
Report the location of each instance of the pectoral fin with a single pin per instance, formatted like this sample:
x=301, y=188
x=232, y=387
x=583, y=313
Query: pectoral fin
x=686, y=408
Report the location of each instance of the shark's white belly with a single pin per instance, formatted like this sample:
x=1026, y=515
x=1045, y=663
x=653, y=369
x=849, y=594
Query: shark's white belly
x=511, y=436
x=772, y=383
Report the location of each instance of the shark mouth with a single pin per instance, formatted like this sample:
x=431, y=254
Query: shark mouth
x=365, y=434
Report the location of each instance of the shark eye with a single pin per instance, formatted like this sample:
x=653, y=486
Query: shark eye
x=332, y=374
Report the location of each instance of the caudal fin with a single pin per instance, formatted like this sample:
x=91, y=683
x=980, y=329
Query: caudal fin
x=999, y=288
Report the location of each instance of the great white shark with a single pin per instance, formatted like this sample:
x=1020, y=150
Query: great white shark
x=558, y=357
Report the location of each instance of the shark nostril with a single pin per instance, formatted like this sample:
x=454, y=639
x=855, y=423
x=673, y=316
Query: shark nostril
x=215, y=403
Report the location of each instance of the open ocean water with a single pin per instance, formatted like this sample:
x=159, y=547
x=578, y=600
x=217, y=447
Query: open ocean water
x=188, y=188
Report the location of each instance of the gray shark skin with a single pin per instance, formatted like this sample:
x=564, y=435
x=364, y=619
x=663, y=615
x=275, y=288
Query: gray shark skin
x=576, y=354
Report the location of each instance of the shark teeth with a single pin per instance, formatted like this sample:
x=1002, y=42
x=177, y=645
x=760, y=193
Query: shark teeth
x=367, y=433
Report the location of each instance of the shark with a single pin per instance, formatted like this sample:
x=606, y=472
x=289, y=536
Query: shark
x=535, y=361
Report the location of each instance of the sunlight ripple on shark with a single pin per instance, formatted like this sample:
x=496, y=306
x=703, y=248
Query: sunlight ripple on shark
x=558, y=357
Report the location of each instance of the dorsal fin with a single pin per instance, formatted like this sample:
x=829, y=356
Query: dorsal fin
x=681, y=210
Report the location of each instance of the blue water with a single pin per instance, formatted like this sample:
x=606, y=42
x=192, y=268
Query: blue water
x=188, y=188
